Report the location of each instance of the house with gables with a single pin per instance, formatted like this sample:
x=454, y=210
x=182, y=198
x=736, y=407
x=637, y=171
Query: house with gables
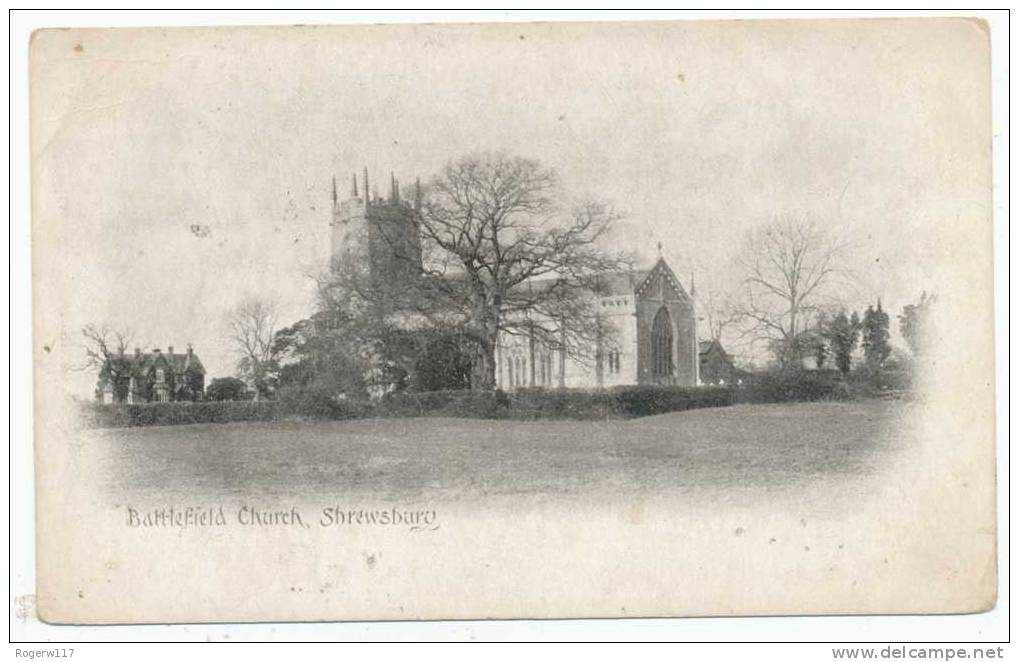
x=155, y=376
x=717, y=365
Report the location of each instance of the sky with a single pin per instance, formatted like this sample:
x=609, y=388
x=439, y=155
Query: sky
x=698, y=132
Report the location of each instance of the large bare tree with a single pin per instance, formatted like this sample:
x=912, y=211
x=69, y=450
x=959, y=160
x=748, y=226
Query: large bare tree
x=252, y=324
x=502, y=253
x=105, y=350
x=790, y=271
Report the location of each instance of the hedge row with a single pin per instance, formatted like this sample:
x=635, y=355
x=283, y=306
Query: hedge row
x=527, y=404
x=534, y=403
x=178, y=413
x=457, y=404
x=793, y=386
x=618, y=402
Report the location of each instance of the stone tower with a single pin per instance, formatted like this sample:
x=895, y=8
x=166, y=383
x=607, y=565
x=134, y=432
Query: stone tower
x=377, y=236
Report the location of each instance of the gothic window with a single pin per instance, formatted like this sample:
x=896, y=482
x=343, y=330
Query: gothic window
x=661, y=344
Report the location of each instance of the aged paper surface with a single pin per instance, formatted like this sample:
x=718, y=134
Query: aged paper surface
x=178, y=173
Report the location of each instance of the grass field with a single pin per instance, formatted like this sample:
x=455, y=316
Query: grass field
x=746, y=446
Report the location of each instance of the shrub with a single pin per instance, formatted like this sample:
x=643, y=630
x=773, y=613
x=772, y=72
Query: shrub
x=318, y=402
x=651, y=400
x=577, y=404
x=453, y=403
x=793, y=386
x=226, y=388
x=871, y=382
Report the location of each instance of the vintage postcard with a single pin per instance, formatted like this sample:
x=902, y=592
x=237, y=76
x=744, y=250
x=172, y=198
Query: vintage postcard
x=535, y=320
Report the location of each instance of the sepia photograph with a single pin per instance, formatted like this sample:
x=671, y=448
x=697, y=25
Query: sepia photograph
x=513, y=320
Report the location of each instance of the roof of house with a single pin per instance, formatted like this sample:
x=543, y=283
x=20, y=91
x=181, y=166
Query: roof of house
x=705, y=346
x=141, y=362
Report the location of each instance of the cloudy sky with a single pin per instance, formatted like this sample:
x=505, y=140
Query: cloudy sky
x=697, y=131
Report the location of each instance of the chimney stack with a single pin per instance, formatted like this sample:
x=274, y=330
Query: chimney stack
x=169, y=350
x=137, y=351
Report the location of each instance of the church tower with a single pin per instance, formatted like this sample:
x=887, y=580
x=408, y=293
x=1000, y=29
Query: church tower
x=380, y=235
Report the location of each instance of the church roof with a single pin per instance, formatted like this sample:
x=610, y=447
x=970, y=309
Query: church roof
x=614, y=283
x=622, y=282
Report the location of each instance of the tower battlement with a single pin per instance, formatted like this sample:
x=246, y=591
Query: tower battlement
x=375, y=233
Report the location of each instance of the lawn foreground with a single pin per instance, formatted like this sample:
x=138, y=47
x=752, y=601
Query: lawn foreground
x=746, y=446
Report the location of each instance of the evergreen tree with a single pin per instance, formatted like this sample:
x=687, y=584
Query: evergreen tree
x=914, y=323
x=875, y=336
x=818, y=341
x=842, y=333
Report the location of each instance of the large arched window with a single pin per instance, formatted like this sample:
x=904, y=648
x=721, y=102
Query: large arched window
x=661, y=344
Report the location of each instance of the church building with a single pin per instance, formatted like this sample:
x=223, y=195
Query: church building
x=649, y=317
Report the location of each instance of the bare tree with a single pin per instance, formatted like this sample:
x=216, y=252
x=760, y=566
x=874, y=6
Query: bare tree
x=790, y=269
x=105, y=352
x=101, y=343
x=503, y=255
x=252, y=324
x=499, y=253
x=719, y=313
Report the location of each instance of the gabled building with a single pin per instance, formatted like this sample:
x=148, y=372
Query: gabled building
x=650, y=338
x=154, y=376
x=717, y=366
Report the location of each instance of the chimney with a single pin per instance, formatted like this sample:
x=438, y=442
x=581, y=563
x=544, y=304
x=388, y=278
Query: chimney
x=189, y=349
x=137, y=351
x=169, y=350
x=156, y=350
